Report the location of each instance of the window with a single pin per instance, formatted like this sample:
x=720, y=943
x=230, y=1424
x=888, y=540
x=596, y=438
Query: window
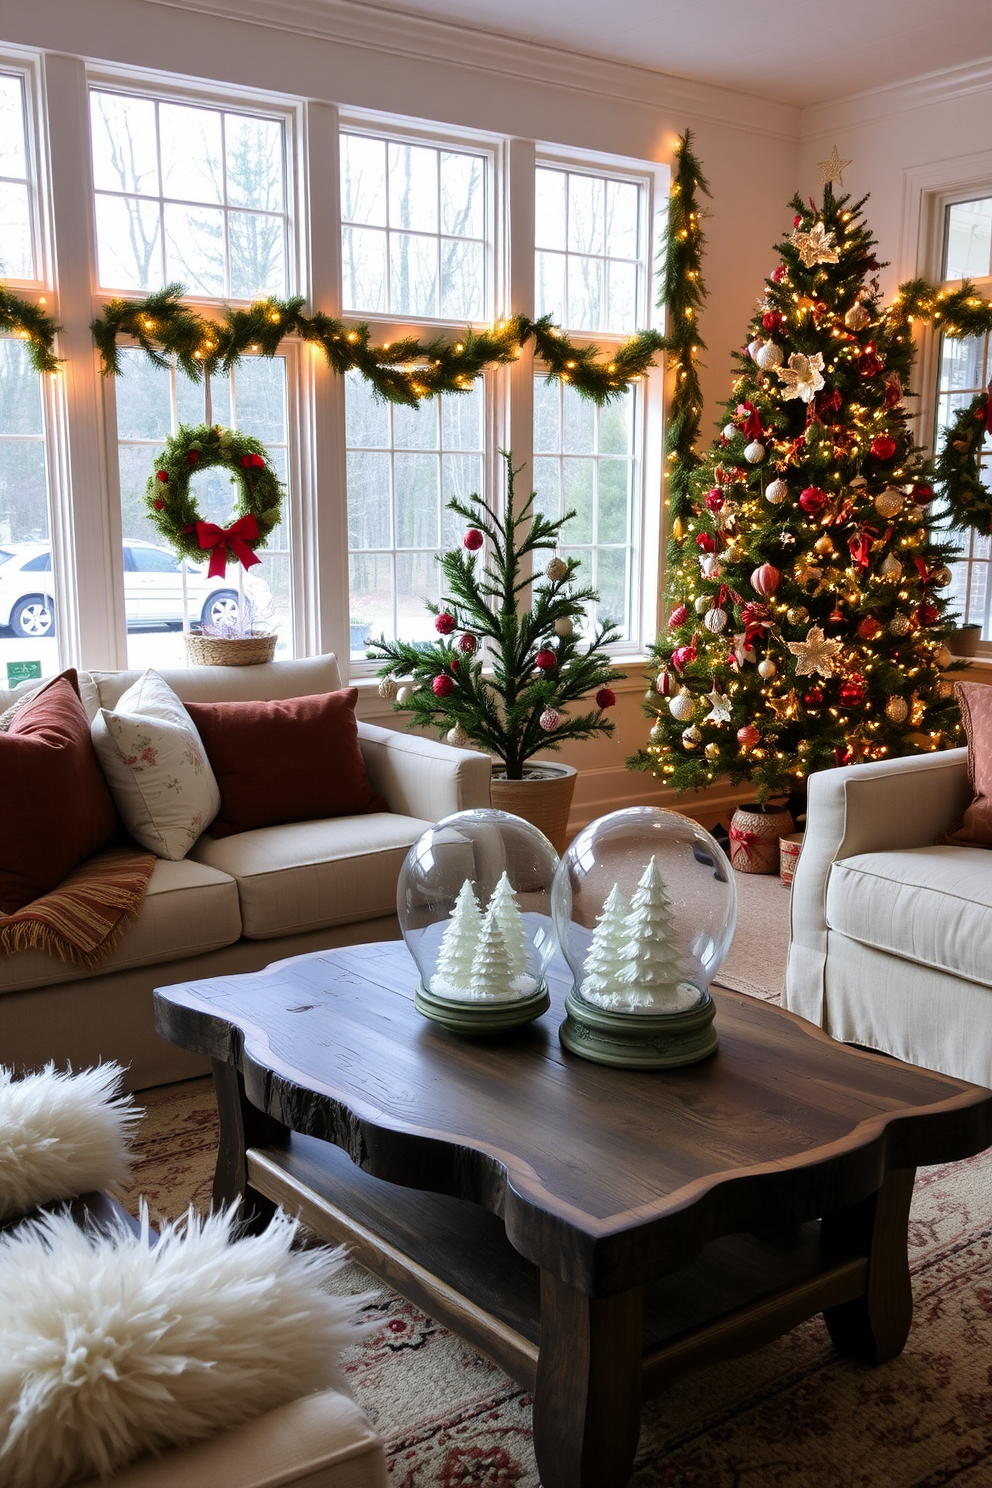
x=161, y=595
x=17, y=256
x=414, y=229
x=28, y=645
x=964, y=369
x=590, y=267
x=188, y=193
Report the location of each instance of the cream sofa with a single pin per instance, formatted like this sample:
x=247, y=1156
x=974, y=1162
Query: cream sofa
x=891, y=941
x=236, y=904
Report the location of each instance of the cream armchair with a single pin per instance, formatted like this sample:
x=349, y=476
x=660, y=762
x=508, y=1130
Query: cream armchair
x=890, y=932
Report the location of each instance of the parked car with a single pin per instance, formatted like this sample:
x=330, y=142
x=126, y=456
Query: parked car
x=153, y=589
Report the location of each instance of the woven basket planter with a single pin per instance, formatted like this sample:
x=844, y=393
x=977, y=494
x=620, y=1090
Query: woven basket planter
x=204, y=650
x=754, y=838
x=543, y=798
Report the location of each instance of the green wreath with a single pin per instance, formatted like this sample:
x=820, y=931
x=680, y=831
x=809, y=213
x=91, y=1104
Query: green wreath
x=174, y=511
x=959, y=466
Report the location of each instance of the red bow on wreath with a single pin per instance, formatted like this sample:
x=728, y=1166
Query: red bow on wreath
x=220, y=539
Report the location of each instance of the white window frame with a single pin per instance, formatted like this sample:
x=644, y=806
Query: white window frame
x=28, y=71
x=929, y=192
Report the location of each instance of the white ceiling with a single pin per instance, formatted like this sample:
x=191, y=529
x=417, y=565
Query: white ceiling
x=791, y=51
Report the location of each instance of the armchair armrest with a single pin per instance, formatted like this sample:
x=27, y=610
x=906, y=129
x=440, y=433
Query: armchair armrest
x=418, y=777
x=880, y=807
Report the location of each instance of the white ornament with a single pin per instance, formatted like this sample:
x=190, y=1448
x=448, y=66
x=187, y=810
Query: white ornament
x=405, y=693
x=728, y=431
x=683, y=705
x=890, y=568
x=754, y=347
x=556, y=570
x=691, y=737
x=651, y=978
x=767, y=669
x=564, y=626
x=803, y=378
x=458, y=737
x=889, y=503
x=710, y=566
x=453, y=971
x=816, y=246
x=770, y=355
x=549, y=720
x=719, y=707
x=754, y=452
x=715, y=619
x=388, y=688
x=599, y=982
x=701, y=604
x=776, y=491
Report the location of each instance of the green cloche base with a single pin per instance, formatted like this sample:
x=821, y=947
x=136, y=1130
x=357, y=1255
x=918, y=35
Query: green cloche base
x=481, y=1018
x=638, y=1040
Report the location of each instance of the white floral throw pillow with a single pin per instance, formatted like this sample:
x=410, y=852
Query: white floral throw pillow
x=156, y=767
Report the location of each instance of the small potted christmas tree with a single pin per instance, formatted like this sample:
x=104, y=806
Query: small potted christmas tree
x=502, y=674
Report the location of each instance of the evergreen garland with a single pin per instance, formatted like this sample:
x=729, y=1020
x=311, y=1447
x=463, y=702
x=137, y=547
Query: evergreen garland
x=404, y=371
x=33, y=325
x=958, y=468
x=682, y=296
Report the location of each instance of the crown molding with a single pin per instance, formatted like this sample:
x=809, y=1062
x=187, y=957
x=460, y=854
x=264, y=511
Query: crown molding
x=926, y=91
x=370, y=27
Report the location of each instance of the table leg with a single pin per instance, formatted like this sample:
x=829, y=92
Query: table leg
x=587, y=1401
x=875, y=1326
x=242, y=1125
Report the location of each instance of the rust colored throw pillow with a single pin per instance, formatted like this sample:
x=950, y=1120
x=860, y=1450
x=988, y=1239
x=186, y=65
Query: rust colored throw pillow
x=55, y=808
x=976, y=715
x=293, y=759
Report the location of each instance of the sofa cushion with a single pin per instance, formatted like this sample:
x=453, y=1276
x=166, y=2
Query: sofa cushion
x=215, y=684
x=309, y=875
x=189, y=908
x=54, y=802
x=975, y=701
x=931, y=905
x=285, y=760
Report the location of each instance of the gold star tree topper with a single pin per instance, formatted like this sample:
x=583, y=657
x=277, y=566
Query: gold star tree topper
x=832, y=169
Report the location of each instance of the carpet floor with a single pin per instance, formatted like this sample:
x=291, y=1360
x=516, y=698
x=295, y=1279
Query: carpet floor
x=792, y=1415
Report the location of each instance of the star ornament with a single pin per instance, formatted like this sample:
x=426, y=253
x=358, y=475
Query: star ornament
x=832, y=169
x=816, y=246
x=803, y=377
x=815, y=654
x=719, y=707
x=786, y=706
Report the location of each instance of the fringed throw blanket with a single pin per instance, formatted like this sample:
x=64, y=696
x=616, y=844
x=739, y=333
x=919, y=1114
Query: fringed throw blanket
x=84, y=919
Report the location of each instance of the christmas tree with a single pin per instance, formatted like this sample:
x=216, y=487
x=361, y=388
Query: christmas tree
x=534, y=663
x=491, y=980
x=503, y=905
x=599, y=983
x=651, y=974
x=453, y=972
x=806, y=626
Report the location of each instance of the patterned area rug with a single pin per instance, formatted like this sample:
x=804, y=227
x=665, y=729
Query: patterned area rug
x=792, y=1414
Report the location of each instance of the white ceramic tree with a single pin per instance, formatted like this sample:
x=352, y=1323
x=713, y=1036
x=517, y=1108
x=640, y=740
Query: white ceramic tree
x=503, y=904
x=491, y=978
x=651, y=976
x=453, y=971
x=602, y=963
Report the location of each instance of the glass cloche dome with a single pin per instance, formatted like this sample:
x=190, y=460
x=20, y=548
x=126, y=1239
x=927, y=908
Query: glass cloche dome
x=474, y=906
x=644, y=905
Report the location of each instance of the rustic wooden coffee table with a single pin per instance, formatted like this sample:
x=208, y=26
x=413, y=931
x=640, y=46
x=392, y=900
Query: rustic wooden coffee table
x=597, y=1232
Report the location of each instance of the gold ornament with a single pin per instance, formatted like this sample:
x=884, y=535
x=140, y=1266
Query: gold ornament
x=388, y=688
x=942, y=577
x=890, y=568
x=786, y=706
x=824, y=547
x=556, y=570
x=678, y=531
x=815, y=247
x=712, y=751
x=803, y=378
x=942, y=657
x=914, y=514
x=797, y=615
x=857, y=318
x=733, y=554
x=899, y=625
x=815, y=654
x=719, y=707
x=889, y=503
x=767, y=668
x=832, y=169
x=691, y=737
x=804, y=746
x=945, y=689
x=897, y=709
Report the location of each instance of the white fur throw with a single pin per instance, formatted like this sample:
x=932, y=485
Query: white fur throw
x=62, y=1134
x=112, y=1346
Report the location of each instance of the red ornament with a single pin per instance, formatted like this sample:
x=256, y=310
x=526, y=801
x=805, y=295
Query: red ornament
x=813, y=500
x=796, y=221
x=664, y=685
x=706, y=542
x=779, y=274
x=714, y=499
x=765, y=580
x=163, y=476
x=444, y=623
x=813, y=698
x=836, y=616
x=869, y=365
x=851, y=693
x=748, y=736
x=605, y=697
x=682, y=656
x=678, y=616
x=192, y=456
x=159, y=505
x=545, y=659
x=883, y=447
x=549, y=720
x=869, y=628
x=473, y=539
x=443, y=686
x=467, y=644
x=922, y=495
x=771, y=320
x=250, y=462
x=926, y=613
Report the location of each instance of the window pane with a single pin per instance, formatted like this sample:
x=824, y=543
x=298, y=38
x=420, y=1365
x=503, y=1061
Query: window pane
x=549, y=286
x=418, y=576
x=969, y=240
x=255, y=167
x=547, y=417
x=13, y=151
x=594, y=284
x=547, y=484
x=964, y=368
x=413, y=274
x=258, y=264
x=417, y=504
x=585, y=214
x=585, y=292
x=128, y=244
x=27, y=609
x=416, y=428
x=194, y=248
x=368, y=500
x=371, y=581
x=613, y=587
x=577, y=476
x=461, y=418
x=613, y=505
x=363, y=180
x=621, y=303
x=262, y=399
x=579, y=423
x=192, y=153
x=622, y=200
x=16, y=257
x=462, y=280
x=461, y=477
x=413, y=187
x=364, y=269
x=122, y=131
x=144, y=402
x=549, y=225
x=366, y=416
x=463, y=202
